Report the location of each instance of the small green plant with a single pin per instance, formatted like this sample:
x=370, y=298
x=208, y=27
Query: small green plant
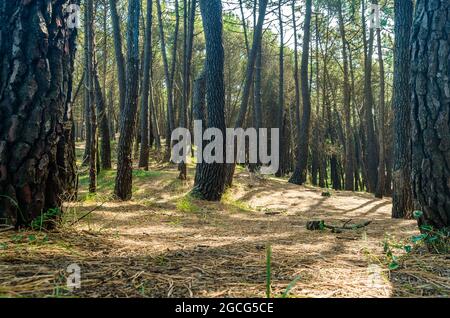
x=268, y=271
x=290, y=286
x=326, y=194
x=186, y=204
x=269, y=276
x=438, y=240
x=45, y=219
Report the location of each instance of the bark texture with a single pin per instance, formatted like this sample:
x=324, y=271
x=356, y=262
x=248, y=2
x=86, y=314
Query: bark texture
x=210, y=179
x=37, y=167
x=430, y=69
x=402, y=204
x=124, y=177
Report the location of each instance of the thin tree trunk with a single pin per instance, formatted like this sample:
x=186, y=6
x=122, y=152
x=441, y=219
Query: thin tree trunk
x=145, y=147
x=371, y=141
x=257, y=37
x=120, y=61
x=299, y=175
x=381, y=162
x=349, y=146
x=402, y=204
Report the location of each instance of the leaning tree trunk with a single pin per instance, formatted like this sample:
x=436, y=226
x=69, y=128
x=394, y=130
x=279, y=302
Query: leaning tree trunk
x=430, y=72
x=210, y=179
x=248, y=82
x=402, y=204
x=37, y=50
x=124, y=176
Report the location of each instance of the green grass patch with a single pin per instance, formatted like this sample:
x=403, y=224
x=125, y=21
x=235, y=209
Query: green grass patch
x=186, y=204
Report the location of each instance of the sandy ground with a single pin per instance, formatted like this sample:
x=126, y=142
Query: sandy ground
x=161, y=245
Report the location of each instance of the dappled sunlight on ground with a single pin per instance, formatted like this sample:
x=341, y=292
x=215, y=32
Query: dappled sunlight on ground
x=163, y=244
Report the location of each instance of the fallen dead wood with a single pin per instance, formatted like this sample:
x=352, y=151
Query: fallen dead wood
x=321, y=225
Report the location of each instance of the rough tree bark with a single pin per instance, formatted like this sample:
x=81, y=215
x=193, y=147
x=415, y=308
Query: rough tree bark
x=371, y=154
x=349, y=145
x=167, y=74
x=430, y=73
x=280, y=111
x=124, y=176
x=37, y=166
x=89, y=91
x=145, y=147
x=402, y=204
x=299, y=175
x=381, y=124
x=121, y=76
x=210, y=179
x=105, y=142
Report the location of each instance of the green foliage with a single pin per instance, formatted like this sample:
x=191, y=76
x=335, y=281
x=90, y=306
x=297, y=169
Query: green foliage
x=290, y=286
x=436, y=240
x=269, y=276
x=186, y=204
x=46, y=219
x=268, y=271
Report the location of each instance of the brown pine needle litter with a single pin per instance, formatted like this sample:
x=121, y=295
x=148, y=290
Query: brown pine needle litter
x=164, y=244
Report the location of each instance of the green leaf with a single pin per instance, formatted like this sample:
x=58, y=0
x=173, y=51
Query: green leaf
x=32, y=238
x=417, y=214
x=290, y=286
x=3, y=246
x=321, y=225
x=268, y=270
x=418, y=238
x=407, y=248
x=426, y=228
x=393, y=266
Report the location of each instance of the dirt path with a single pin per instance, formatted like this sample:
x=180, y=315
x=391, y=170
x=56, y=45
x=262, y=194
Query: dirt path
x=164, y=245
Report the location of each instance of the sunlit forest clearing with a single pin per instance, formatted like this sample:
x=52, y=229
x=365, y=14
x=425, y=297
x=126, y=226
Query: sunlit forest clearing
x=224, y=148
x=163, y=243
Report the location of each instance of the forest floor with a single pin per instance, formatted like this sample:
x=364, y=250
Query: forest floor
x=165, y=244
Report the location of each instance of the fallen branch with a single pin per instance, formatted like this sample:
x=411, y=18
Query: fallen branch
x=6, y=228
x=320, y=225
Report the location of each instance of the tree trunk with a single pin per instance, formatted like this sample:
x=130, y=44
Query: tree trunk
x=381, y=136
x=349, y=146
x=36, y=138
x=210, y=179
x=430, y=111
x=89, y=67
x=121, y=76
x=168, y=78
x=105, y=147
x=299, y=175
x=145, y=147
x=124, y=177
x=402, y=204
x=257, y=38
x=371, y=141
